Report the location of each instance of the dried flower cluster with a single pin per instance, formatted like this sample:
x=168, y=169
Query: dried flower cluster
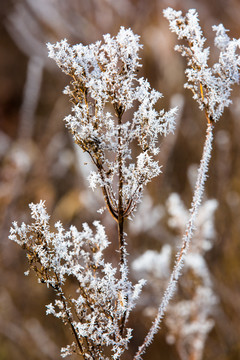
x=123, y=146
x=211, y=86
x=101, y=301
x=104, y=86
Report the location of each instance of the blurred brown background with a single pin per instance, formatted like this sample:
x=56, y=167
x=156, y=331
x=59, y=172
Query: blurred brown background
x=39, y=160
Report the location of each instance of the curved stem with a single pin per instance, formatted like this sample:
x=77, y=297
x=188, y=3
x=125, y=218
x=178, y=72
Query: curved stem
x=108, y=203
x=107, y=197
x=196, y=202
x=69, y=317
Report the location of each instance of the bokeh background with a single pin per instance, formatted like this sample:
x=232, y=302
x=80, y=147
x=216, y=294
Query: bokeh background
x=38, y=160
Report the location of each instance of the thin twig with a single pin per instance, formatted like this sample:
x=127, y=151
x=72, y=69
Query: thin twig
x=197, y=198
x=120, y=191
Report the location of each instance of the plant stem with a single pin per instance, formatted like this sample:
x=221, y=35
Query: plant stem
x=69, y=317
x=120, y=219
x=196, y=202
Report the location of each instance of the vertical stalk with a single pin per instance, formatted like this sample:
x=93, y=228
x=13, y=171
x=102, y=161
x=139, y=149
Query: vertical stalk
x=120, y=219
x=196, y=202
x=120, y=234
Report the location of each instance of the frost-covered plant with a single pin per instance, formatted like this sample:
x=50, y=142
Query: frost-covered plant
x=211, y=86
x=101, y=301
x=123, y=145
x=104, y=86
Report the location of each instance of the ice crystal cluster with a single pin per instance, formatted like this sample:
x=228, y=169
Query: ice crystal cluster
x=215, y=83
x=104, y=86
x=101, y=300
